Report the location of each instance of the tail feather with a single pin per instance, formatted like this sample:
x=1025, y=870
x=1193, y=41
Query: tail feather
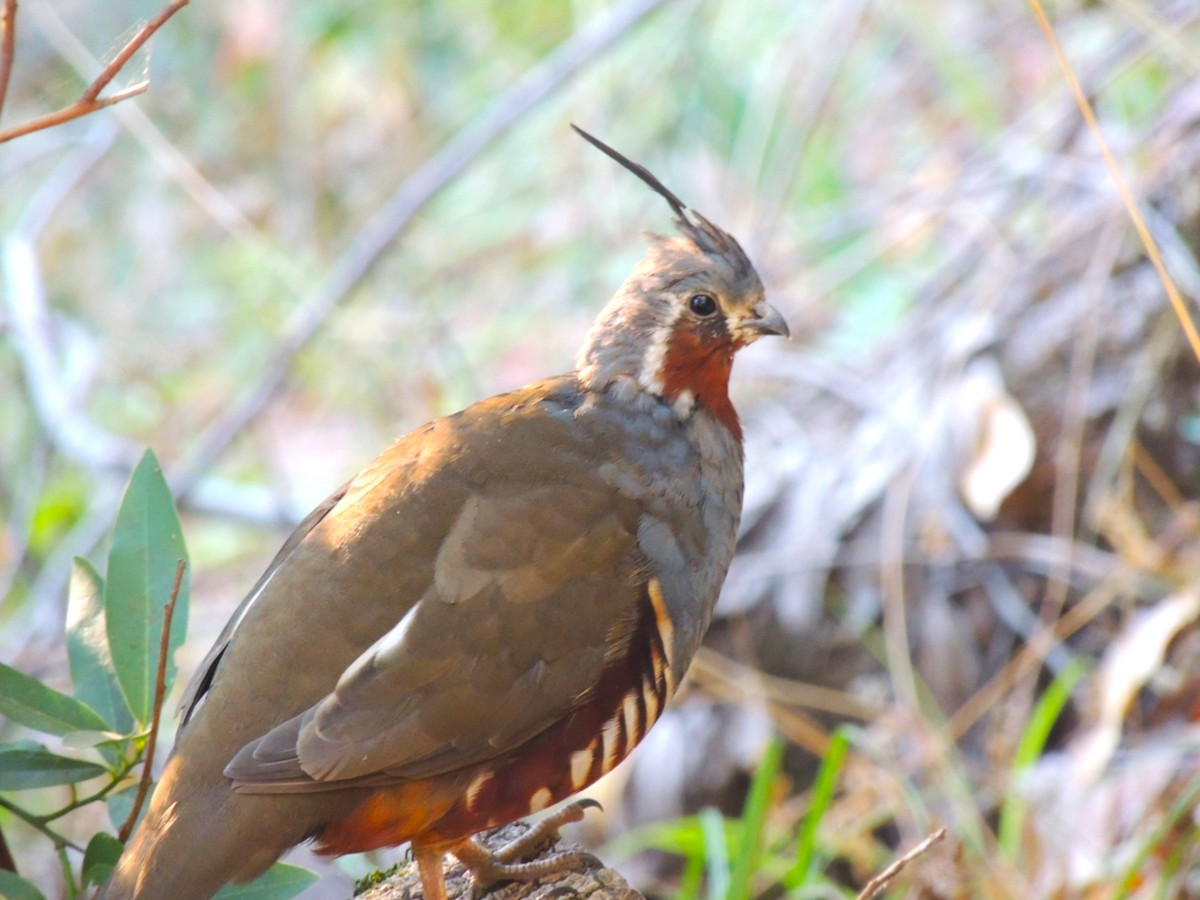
x=198, y=835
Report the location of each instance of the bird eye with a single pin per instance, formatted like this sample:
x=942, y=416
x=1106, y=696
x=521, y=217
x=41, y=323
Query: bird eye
x=702, y=305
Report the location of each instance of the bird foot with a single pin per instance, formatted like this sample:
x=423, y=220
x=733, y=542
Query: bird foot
x=545, y=832
x=487, y=867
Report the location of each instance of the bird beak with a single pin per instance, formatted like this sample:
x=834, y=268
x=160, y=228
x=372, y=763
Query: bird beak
x=765, y=319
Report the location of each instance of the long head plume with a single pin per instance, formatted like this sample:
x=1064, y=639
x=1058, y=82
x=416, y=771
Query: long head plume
x=707, y=236
x=629, y=338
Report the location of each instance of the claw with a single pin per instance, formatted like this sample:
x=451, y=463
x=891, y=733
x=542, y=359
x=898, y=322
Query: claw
x=487, y=867
x=544, y=832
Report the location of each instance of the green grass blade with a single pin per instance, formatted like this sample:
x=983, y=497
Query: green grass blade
x=749, y=846
x=822, y=796
x=1045, y=713
x=1181, y=810
x=716, y=852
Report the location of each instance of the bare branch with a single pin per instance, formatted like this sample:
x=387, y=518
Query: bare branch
x=884, y=878
x=160, y=692
x=135, y=43
x=8, y=45
x=90, y=100
x=76, y=110
x=440, y=170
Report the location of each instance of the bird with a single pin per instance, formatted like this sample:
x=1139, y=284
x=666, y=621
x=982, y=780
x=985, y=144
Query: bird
x=485, y=619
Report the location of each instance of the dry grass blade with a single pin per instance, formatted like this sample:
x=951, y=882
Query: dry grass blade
x=884, y=878
x=1139, y=223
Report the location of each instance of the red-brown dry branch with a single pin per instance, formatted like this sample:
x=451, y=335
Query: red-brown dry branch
x=884, y=878
x=76, y=110
x=131, y=47
x=8, y=45
x=90, y=100
x=160, y=692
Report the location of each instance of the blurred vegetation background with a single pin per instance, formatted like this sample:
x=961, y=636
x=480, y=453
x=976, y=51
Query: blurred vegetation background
x=987, y=425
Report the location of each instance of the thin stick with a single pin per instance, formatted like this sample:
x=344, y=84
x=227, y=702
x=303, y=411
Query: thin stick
x=884, y=878
x=8, y=45
x=76, y=110
x=90, y=100
x=160, y=691
x=1139, y=223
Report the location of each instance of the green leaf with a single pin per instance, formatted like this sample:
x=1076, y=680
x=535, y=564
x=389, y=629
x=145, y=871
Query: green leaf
x=279, y=882
x=92, y=673
x=25, y=765
x=26, y=700
x=100, y=858
x=147, y=544
x=120, y=804
x=14, y=887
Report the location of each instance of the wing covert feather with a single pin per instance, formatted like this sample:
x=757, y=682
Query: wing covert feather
x=533, y=586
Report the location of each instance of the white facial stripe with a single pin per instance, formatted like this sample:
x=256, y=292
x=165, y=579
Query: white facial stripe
x=651, y=375
x=650, y=378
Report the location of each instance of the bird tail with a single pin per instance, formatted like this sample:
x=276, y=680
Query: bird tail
x=191, y=843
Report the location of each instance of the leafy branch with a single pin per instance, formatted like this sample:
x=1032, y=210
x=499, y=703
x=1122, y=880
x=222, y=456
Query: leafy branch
x=122, y=633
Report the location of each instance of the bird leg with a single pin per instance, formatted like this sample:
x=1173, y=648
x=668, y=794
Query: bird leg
x=429, y=867
x=488, y=867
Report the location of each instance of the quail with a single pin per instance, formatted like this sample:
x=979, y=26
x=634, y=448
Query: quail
x=489, y=616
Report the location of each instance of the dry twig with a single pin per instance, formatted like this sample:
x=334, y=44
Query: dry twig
x=884, y=878
x=160, y=693
x=90, y=100
x=8, y=45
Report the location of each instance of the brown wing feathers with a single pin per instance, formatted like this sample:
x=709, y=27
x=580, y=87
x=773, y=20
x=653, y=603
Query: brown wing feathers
x=572, y=753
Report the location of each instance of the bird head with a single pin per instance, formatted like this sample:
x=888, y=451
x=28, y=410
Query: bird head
x=673, y=326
